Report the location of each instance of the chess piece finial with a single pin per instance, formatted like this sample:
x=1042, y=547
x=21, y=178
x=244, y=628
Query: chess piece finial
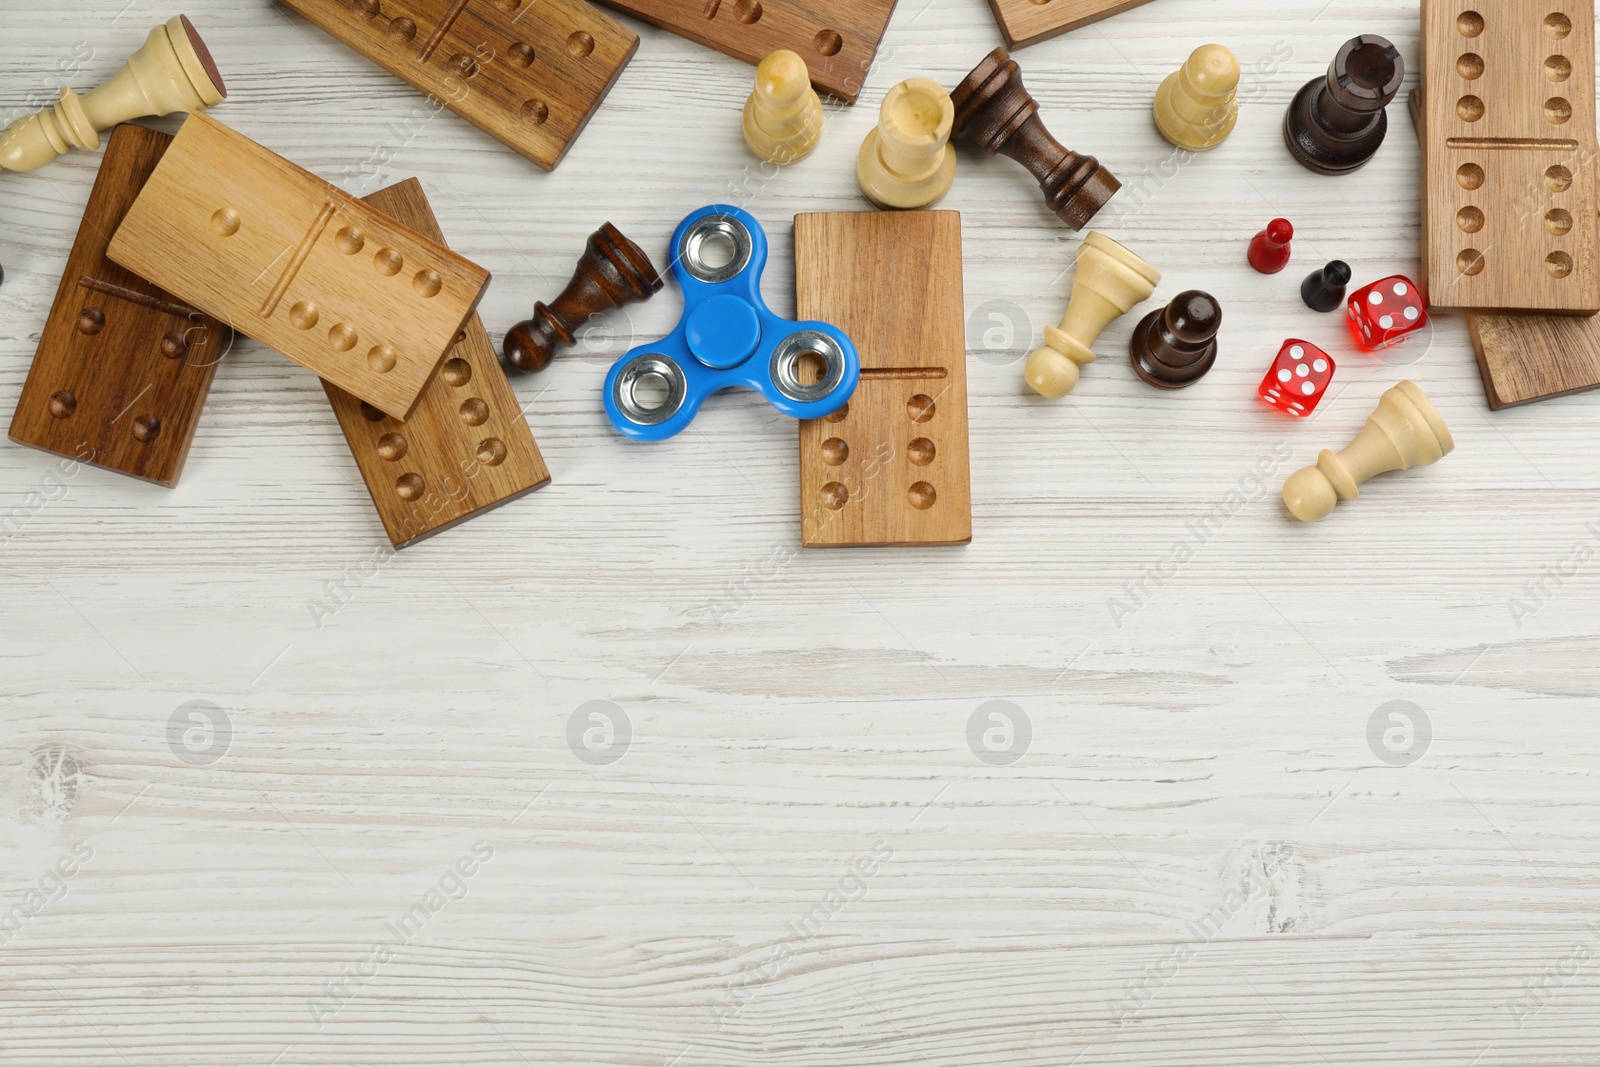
x=783, y=116
x=1176, y=345
x=1109, y=281
x=995, y=111
x=1406, y=431
x=1336, y=123
x=1197, y=106
x=1269, y=250
x=906, y=161
x=613, y=271
x=1324, y=290
x=173, y=71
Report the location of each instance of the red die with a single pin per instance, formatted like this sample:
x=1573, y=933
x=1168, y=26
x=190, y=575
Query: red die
x=1298, y=378
x=1386, y=313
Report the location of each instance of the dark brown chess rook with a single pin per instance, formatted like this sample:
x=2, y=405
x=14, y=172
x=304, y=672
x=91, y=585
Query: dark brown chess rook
x=613, y=271
x=1177, y=345
x=1336, y=123
x=995, y=111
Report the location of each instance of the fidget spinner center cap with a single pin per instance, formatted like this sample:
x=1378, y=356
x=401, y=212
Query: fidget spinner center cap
x=723, y=331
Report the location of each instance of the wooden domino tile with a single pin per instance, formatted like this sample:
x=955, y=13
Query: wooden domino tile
x=299, y=265
x=466, y=448
x=1526, y=357
x=1025, y=22
x=122, y=368
x=1509, y=149
x=891, y=467
x=838, y=39
x=529, y=73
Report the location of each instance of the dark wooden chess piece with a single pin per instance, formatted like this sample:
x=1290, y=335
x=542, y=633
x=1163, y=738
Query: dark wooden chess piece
x=1177, y=345
x=1323, y=290
x=1336, y=123
x=613, y=271
x=995, y=111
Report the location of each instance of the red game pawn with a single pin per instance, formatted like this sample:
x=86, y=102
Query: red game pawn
x=1269, y=250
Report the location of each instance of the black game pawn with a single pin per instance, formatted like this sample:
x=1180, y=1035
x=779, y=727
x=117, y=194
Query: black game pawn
x=1177, y=345
x=1323, y=290
x=1336, y=123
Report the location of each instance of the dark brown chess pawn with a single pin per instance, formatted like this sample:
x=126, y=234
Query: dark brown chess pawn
x=995, y=111
x=1336, y=123
x=1177, y=345
x=613, y=271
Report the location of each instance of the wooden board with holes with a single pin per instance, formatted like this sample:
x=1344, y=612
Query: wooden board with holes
x=122, y=368
x=466, y=448
x=838, y=39
x=1509, y=219
x=1525, y=357
x=296, y=263
x=1025, y=22
x=891, y=467
x=529, y=73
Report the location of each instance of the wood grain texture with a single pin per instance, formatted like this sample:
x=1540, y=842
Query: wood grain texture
x=529, y=74
x=1509, y=213
x=838, y=39
x=1025, y=22
x=298, y=264
x=466, y=447
x=1527, y=357
x=891, y=467
x=122, y=369
x=789, y=708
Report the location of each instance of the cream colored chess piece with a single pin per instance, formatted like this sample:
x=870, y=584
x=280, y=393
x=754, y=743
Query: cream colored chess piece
x=1110, y=280
x=906, y=161
x=783, y=117
x=1406, y=431
x=1197, y=106
x=172, y=72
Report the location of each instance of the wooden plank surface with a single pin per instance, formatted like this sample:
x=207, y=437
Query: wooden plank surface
x=531, y=81
x=296, y=263
x=838, y=39
x=1025, y=22
x=1199, y=673
x=122, y=369
x=465, y=448
x=891, y=467
x=1510, y=216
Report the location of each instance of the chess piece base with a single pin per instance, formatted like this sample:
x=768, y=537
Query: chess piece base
x=892, y=191
x=1342, y=153
x=784, y=151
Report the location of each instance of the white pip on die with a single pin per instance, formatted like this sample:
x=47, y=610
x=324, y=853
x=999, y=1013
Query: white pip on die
x=1386, y=312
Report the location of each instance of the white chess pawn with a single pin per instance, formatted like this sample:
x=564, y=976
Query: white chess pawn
x=783, y=115
x=1406, y=431
x=1197, y=106
x=1109, y=281
x=172, y=72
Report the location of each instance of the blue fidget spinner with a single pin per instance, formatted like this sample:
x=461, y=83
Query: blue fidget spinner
x=726, y=337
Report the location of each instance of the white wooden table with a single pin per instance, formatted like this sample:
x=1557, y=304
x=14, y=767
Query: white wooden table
x=1182, y=842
